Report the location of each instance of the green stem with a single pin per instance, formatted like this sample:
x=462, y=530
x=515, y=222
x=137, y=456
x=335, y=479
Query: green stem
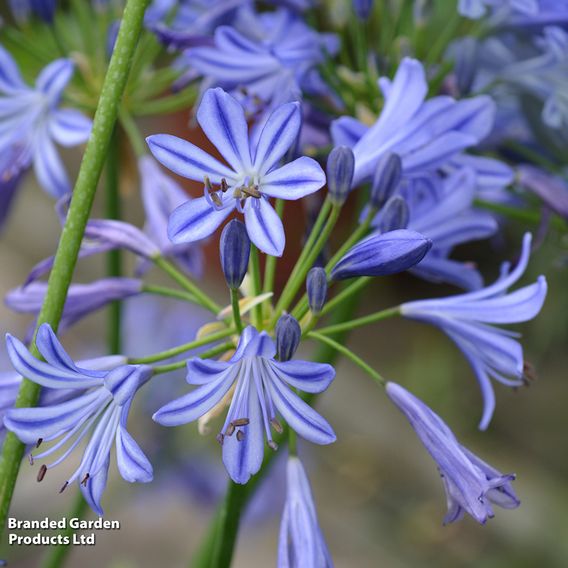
x=182, y=348
x=169, y=293
x=365, y=320
x=304, y=264
x=254, y=267
x=135, y=138
x=166, y=105
x=236, y=310
x=187, y=284
x=72, y=235
x=213, y=352
x=349, y=354
x=346, y=293
x=57, y=555
x=523, y=215
x=270, y=266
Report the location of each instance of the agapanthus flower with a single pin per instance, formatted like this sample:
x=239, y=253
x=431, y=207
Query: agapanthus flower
x=274, y=58
x=252, y=177
x=552, y=189
x=425, y=134
x=301, y=543
x=476, y=9
x=44, y=9
x=468, y=319
x=263, y=387
x=472, y=486
x=99, y=406
x=31, y=121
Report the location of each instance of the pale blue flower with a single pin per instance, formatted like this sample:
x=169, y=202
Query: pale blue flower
x=252, y=177
x=263, y=388
x=468, y=319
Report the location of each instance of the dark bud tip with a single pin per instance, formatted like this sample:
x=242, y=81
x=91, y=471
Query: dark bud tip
x=288, y=335
x=316, y=287
x=386, y=179
x=41, y=473
x=340, y=167
x=235, y=251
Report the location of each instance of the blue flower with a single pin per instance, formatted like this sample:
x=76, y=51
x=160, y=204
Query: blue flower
x=275, y=58
x=467, y=319
x=425, y=134
x=44, y=9
x=31, y=121
x=301, y=543
x=476, y=9
x=261, y=388
x=552, y=189
x=471, y=485
x=100, y=406
x=251, y=179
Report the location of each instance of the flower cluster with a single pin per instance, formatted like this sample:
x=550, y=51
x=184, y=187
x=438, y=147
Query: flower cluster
x=327, y=154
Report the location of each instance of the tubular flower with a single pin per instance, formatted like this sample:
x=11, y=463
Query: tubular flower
x=301, y=543
x=467, y=319
x=263, y=387
x=471, y=485
x=99, y=405
x=251, y=179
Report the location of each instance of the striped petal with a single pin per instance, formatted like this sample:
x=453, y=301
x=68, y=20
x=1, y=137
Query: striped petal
x=303, y=375
x=264, y=227
x=132, y=463
x=295, y=180
x=69, y=127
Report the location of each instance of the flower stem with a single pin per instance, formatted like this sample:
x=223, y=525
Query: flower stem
x=201, y=297
x=236, y=309
x=72, y=235
x=365, y=320
x=169, y=293
x=182, y=348
x=213, y=352
x=254, y=267
x=135, y=138
x=349, y=354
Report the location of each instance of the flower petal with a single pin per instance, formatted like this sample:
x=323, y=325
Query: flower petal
x=69, y=127
x=304, y=375
x=48, y=166
x=132, y=463
x=54, y=78
x=264, y=227
x=294, y=180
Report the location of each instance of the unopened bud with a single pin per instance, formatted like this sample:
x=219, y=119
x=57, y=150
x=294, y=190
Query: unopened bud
x=288, y=335
x=386, y=179
x=316, y=286
x=362, y=8
x=394, y=215
x=235, y=251
x=340, y=166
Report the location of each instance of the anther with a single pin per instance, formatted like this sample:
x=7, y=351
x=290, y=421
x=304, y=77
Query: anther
x=207, y=183
x=240, y=422
x=31, y=459
x=220, y=437
x=277, y=426
x=85, y=479
x=38, y=443
x=216, y=199
x=64, y=486
x=240, y=435
x=224, y=185
x=272, y=445
x=230, y=429
x=41, y=473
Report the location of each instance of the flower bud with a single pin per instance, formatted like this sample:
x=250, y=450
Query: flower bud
x=316, y=286
x=235, y=251
x=44, y=9
x=382, y=254
x=386, y=179
x=340, y=166
x=394, y=215
x=288, y=334
x=362, y=8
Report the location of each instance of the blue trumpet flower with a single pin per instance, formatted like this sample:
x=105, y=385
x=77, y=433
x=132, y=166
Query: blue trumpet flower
x=262, y=387
x=471, y=485
x=301, y=543
x=251, y=179
x=99, y=406
x=467, y=319
x=31, y=121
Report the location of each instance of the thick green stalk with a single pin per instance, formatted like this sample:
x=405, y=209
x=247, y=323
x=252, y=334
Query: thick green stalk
x=182, y=348
x=236, y=309
x=72, y=235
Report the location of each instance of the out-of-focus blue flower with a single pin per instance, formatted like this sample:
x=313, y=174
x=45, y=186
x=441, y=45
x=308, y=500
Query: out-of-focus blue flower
x=442, y=210
x=100, y=406
x=362, y=8
x=274, y=59
x=262, y=387
x=44, y=9
x=193, y=22
x=82, y=299
x=476, y=9
x=301, y=542
x=31, y=121
x=549, y=12
x=553, y=190
x=468, y=319
x=425, y=134
x=252, y=177
x=382, y=254
x=472, y=486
